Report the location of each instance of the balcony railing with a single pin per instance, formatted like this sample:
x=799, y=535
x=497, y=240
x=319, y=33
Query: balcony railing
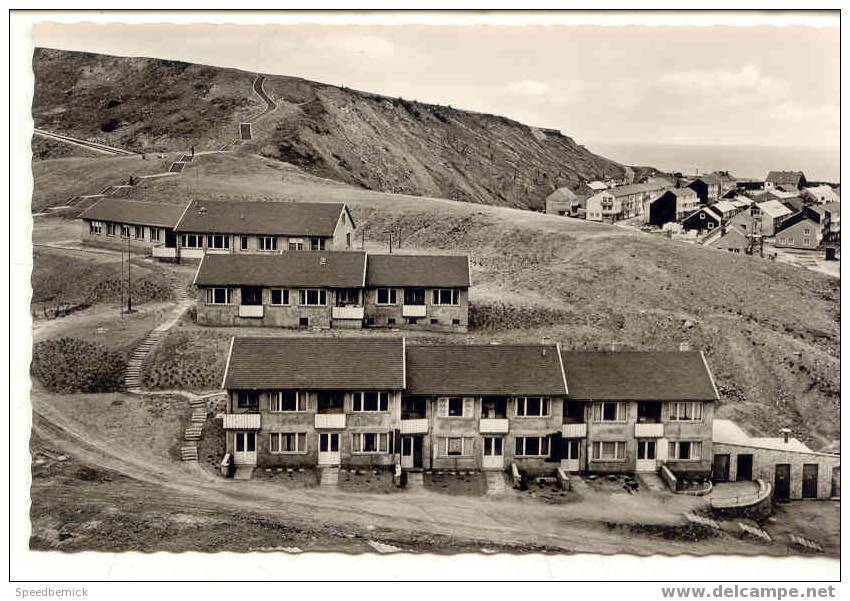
x=241, y=421
x=413, y=310
x=164, y=252
x=330, y=421
x=414, y=426
x=492, y=425
x=351, y=312
x=250, y=310
x=649, y=430
x=574, y=430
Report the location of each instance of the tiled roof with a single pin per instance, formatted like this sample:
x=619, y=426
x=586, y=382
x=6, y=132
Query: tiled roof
x=289, y=268
x=134, y=212
x=638, y=376
x=470, y=370
x=316, y=364
x=784, y=177
x=450, y=271
x=257, y=217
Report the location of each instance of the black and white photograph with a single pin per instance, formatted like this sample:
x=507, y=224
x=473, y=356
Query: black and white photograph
x=476, y=286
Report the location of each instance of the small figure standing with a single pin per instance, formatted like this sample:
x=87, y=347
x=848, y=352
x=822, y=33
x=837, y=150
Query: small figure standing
x=193, y=152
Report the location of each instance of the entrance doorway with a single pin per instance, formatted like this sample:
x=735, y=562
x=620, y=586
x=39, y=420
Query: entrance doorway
x=245, y=452
x=493, y=457
x=411, y=452
x=720, y=467
x=782, y=482
x=646, y=455
x=810, y=480
x=572, y=450
x=745, y=467
x=329, y=448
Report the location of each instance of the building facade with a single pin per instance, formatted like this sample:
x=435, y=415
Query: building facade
x=623, y=202
x=121, y=224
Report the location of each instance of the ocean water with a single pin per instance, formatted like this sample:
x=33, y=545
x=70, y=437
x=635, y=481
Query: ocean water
x=819, y=164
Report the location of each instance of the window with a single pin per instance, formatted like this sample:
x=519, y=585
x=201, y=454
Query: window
x=609, y=450
x=684, y=450
x=218, y=296
x=312, y=297
x=532, y=406
x=243, y=242
x=125, y=231
x=453, y=446
x=248, y=399
x=454, y=407
x=155, y=234
x=346, y=297
x=414, y=296
x=455, y=322
x=218, y=241
x=348, y=240
x=370, y=401
x=370, y=442
x=445, y=297
x=531, y=446
x=95, y=227
x=572, y=448
x=390, y=321
x=492, y=446
x=806, y=231
x=645, y=450
x=609, y=412
x=280, y=296
x=296, y=244
x=110, y=229
x=684, y=412
x=386, y=296
x=193, y=241
x=303, y=322
x=287, y=400
x=139, y=232
x=412, y=321
x=267, y=243
x=288, y=442
x=317, y=244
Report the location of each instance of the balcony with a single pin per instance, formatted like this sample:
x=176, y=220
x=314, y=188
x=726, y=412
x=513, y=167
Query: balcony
x=164, y=252
x=649, y=430
x=413, y=310
x=414, y=426
x=241, y=421
x=250, y=310
x=491, y=425
x=330, y=421
x=350, y=312
x=574, y=430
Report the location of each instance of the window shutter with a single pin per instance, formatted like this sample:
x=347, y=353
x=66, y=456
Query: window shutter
x=355, y=443
x=468, y=407
x=696, y=450
x=443, y=407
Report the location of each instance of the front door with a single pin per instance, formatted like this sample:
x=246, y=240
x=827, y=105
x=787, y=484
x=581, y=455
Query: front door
x=246, y=448
x=572, y=448
x=745, y=466
x=720, y=468
x=782, y=482
x=810, y=480
x=170, y=238
x=646, y=456
x=329, y=448
x=407, y=452
x=494, y=457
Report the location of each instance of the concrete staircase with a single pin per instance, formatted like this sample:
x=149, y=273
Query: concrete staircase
x=415, y=481
x=133, y=373
x=495, y=483
x=329, y=477
x=652, y=481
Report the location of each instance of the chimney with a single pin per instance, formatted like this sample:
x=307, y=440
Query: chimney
x=786, y=434
x=684, y=347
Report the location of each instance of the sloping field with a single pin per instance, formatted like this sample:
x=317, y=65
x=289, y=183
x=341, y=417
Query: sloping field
x=769, y=331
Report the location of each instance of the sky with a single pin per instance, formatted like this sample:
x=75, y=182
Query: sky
x=762, y=85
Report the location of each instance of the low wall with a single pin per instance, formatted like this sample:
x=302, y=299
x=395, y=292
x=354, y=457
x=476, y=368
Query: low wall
x=757, y=506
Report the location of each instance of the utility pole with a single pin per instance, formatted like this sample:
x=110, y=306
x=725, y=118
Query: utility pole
x=129, y=278
x=121, y=287
x=391, y=243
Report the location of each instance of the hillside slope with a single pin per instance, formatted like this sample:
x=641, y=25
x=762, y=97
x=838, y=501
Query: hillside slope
x=769, y=331
x=375, y=142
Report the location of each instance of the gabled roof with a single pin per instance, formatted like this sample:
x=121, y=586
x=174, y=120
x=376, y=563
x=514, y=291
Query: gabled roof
x=316, y=364
x=797, y=218
x=259, y=217
x=637, y=188
x=784, y=177
x=724, y=206
x=732, y=232
x=638, y=376
x=725, y=431
x=427, y=271
x=287, y=269
x=135, y=212
x=471, y=370
x=563, y=194
x=707, y=211
x=597, y=185
x=773, y=208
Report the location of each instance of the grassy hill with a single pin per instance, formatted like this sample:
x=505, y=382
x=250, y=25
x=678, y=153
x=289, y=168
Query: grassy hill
x=769, y=331
x=371, y=141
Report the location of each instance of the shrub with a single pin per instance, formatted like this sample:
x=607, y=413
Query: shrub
x=72, y=365
x=501, y=316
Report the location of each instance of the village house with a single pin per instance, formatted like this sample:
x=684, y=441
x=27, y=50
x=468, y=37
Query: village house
x=234, y=227
x=562, y=201
x=786, y=180
x=591, y=188
x=623, y=202
x=821, y=194
x=799, y=231
x=770, y=214
x=794, y=470
x=634, y=411
x=426, y=292
x=707, y=187
x=121, y=224
x=672, y=205
x=704, y=219
x=334, y=289
x=726, y=209
x=732, y=240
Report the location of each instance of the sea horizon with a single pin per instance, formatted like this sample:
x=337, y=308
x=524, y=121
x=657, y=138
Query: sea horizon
x=818, y=163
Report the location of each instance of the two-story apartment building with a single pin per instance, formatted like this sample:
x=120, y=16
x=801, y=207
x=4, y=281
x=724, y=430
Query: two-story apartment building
x=623, y=202
x=330, y=289
x=118, y=223
x=295, y=401
x=381, y=401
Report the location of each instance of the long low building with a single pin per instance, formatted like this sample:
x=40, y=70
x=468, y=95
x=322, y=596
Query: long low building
x=381, y=401
x=330, y=289
x=194, y=229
